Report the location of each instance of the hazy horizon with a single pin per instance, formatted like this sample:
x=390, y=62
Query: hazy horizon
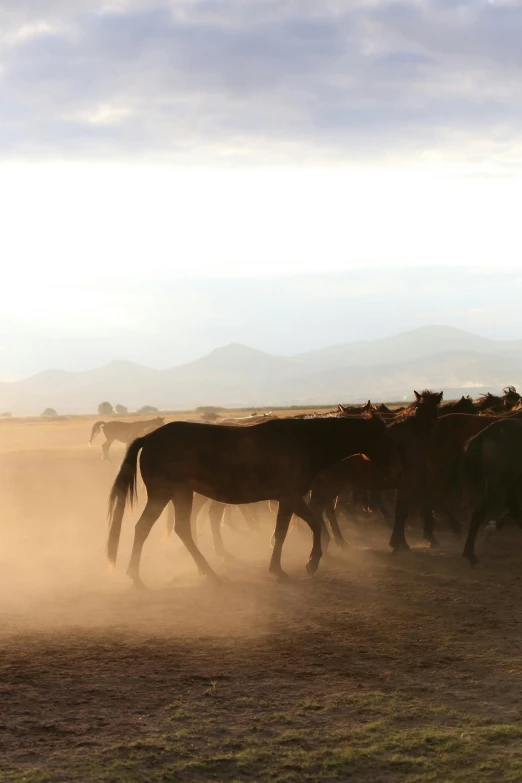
x=168, y=323
x=178, y=176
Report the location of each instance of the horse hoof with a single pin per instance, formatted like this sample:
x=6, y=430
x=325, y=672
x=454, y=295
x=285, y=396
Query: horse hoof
x=400, y=549
x=311, y=567
x=280, y=577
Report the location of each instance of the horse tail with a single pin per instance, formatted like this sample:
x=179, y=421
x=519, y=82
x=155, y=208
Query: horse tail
x=123, y=490
x=96, y=428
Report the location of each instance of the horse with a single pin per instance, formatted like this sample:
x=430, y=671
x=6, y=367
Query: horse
x=274, y=460
x=498, y=404
x=446, y=446
x=357, y=472
x=492, y=471
x=124, y=431
x=411, y=431
x=464, y=405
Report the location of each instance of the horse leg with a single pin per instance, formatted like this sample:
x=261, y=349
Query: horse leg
x=334, y=525
x=477, y=517
x=319, y=500
x=105, y=450
x=316, y=525
x=150, y=514
x=284, y=515
x=182, y=499
x=429, y=519
x=398, y=539
x=216, y=513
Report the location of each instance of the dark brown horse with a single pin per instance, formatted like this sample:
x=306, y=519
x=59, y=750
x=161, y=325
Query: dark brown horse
x=498, y=404
x=464, y=405
x=357, y=473
x=446, y=447
x=492, y=470
x=275, y=460
x=123, y=431
x=411, y=431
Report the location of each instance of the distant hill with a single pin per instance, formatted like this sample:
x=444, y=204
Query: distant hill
x=438, y=357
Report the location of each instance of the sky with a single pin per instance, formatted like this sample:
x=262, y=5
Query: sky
x=288, y=174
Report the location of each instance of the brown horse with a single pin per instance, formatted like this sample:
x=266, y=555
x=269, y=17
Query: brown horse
x=498, y=404
x=358, y=473
x=411, y=431
x=492, y=470
x=446, y=447
x=275, y=460
x=464, y=405
x=124, y=431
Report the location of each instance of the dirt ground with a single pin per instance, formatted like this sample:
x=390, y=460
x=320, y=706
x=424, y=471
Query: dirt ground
x=380, y=668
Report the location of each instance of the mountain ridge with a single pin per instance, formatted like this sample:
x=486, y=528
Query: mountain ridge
x=239, y=375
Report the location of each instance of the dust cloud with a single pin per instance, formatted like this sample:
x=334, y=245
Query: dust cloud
x=54, y=574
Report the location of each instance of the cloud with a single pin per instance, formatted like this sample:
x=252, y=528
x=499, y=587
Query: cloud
x=269, y=79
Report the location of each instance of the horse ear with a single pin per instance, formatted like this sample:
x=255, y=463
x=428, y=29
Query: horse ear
x=440, y=397
x=341, y=408
x=368, y=406
x=416, y=395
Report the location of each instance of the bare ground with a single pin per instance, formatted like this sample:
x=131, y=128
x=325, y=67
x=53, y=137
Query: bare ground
x=378, y=669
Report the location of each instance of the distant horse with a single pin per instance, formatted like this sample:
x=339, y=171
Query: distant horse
x=274, y=460
x=124, y=431
x=492, y=470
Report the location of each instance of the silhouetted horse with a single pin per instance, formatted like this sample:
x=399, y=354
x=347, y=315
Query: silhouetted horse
x=124, y=431
x=275, y=460
x=495, y=404
x=411, y=431
x=492, y=470
x=446, y=447
x=464, y=405
x=358, y=473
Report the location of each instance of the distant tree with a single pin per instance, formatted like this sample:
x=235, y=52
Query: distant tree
x=105, y=409
x=121, y=410
x=209, y=416
x=6, y=415
x=209, y=409
x=147, y=409
x=49, y=413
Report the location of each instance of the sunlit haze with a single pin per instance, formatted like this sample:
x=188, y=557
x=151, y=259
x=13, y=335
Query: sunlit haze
x=147, y=146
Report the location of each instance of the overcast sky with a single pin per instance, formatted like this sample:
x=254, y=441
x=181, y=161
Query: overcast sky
x=169, y=170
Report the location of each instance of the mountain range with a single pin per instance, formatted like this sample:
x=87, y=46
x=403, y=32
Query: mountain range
x=438, y=357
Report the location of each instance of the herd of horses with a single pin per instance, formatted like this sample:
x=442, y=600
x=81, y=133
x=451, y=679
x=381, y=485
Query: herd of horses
x=442, y=461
